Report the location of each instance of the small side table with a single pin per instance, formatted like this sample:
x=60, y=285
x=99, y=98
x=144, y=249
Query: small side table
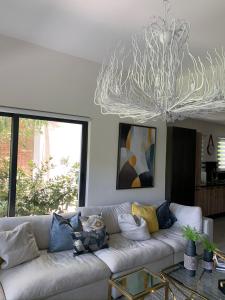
x=136, y=285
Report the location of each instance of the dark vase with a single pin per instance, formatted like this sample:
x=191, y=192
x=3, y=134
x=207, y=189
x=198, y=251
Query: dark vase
x=208, y=261
x=190, y=259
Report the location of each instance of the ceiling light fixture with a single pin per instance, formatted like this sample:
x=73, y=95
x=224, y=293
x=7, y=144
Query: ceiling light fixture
x=157, y=77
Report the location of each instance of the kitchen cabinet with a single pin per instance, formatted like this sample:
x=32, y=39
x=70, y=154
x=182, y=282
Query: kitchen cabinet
x=211, y=199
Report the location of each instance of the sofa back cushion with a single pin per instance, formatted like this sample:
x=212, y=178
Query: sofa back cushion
x=40, y=224
x=187, y=215
x=17, y=246
x=109, y=213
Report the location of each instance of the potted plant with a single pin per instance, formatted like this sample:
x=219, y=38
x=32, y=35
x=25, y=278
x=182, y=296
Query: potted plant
x=209, y=248
x=190, y=260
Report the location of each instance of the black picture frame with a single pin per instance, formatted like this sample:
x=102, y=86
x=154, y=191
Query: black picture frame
x=130, y=164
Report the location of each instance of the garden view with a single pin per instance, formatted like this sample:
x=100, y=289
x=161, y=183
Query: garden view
x=48, y=166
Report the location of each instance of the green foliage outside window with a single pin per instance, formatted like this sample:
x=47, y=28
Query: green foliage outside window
x=36, y=192
x=29, y=126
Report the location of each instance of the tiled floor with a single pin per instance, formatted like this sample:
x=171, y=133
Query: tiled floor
x=219, y=232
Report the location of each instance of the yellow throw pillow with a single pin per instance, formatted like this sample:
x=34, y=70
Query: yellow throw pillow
x=149, y=214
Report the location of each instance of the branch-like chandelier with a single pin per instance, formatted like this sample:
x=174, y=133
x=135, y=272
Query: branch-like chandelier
x=157, y=77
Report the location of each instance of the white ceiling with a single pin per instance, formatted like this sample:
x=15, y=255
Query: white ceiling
x=90, y=28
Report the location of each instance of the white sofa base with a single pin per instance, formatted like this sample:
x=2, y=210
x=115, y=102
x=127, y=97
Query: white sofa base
x=95, y=291
x=153, y=267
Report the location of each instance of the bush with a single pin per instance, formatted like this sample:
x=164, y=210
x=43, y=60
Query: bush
x=4, y=173
x=36, y=192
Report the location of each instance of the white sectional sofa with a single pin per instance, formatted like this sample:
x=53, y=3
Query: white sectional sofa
x=60, y=276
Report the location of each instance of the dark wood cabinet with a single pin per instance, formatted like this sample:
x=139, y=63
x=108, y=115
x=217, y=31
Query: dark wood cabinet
x=180, y=165
x=211, y=199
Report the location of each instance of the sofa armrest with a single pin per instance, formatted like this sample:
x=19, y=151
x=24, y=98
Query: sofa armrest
x=207, y=227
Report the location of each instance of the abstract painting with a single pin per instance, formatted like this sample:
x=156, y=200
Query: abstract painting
x=136, y=156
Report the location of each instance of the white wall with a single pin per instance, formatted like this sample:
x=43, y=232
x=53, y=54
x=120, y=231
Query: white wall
x=207, y=129
x=35, y=78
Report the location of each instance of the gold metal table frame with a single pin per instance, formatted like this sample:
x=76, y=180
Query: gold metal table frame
x=186, y=292
x=163, y=284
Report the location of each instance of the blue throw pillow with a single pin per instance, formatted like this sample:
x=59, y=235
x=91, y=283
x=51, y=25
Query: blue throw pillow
x=60, y=233
x=89, y=241
x=165, y=216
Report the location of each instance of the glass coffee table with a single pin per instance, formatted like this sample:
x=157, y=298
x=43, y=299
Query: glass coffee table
x=203, y=286
x=138, y=284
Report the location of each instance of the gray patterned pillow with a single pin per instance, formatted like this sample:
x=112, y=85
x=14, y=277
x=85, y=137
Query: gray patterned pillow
x=89, y=241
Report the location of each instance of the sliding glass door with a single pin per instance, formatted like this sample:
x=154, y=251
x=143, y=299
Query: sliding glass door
x=45, y=171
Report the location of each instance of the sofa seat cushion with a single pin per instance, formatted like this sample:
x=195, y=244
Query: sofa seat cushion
x=124, y=254
x=50, y=274
x=172, y=237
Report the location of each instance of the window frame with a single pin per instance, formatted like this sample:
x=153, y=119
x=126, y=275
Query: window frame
x=15, y=117
x=220, y=170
